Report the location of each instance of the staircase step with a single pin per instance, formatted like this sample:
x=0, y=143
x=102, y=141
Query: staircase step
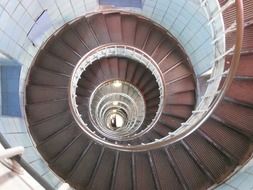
x=44, y=129
x=180, y=111
x=83, y=169
x=179, y=71
x=131, y=68
x=184, y=98
x=113, y=22
x=240, y=90
x=98, y=26
x=154, y=40
x=123, y=64
x=37, y=94
x=163, y=50
x=113, y=66
x=128, y=24
x=183, y=85
x=162, y=129
x=123, y=177
x=215, y=162
x=238, y=116
x=143, y=172
x=71, y=38
x=188, y=168
x=41, y=111
x=54, y=145
x=167, y=177
x=103, y=177
x=143, y=29
x=71, y=154
x=139, y=73
x=66, y=52
x=43, y=77
x=232, y=141
x=171, y=122
x=86, y=34
x=245, y=66
x=54, y=63
x=170, y=60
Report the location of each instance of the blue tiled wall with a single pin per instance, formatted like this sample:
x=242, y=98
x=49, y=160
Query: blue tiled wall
x=242, y=180
x=10, y=90
x=122, y=3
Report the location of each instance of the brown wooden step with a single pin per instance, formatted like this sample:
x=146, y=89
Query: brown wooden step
x=72, y=152
x=188, y=168
x=128, y=24
x=233, y=142
x=99, y=28
x=38, y=94
x=123, y=176
x=143, y=172
x=239, y=117
x=41, y=111
x=113, y=22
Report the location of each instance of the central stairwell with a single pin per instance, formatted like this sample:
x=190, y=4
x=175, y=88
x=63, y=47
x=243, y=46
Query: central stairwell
x=198, y=161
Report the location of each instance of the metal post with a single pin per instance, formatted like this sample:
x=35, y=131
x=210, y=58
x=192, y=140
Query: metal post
x=11, y=152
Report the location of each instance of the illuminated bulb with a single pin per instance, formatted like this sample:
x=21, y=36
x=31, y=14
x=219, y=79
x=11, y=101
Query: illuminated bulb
x=117, y=84
x=114, y=111
x=115, y=103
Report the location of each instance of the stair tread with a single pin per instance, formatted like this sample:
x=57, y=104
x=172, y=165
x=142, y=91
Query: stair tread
x=223, y=135
x=236, y=115
x=124, y=172
x=214, y=160
x=144, y=178
x=72, y=39
x=38, y=112
x=38, y=94
x=167, y=178
x=98, y=25
x=87, y=163
x=128, y=24
x=113, y=21
x=189, y=169
x=240, y=90
x=72, y=154
x=204, y=157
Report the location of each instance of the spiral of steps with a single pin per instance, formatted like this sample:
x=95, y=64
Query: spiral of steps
x=118, y=69
x=204, y=158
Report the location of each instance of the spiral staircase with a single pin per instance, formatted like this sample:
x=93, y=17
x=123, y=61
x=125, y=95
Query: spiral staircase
x=65, y=89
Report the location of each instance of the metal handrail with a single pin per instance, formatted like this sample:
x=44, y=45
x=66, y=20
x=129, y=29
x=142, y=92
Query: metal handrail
x=29, y=169
x=11, y=152
x=139, y=111
x=106, y=51
x=187, y=128
x=184, y=131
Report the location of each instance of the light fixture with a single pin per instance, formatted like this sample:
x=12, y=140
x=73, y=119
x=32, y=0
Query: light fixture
x=115, y=103
x=117, y=84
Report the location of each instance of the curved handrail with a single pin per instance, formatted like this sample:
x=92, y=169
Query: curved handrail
x=107, y=50
x=174, y=137
x=180, y=134
x=95, y=114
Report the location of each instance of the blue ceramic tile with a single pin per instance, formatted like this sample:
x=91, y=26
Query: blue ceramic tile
x=9, y=90
x=120, y=3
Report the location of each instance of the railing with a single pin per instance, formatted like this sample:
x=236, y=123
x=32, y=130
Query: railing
x=11, y=152
x=112, y=50
x=26, y=165
x=128, y=98
x=213, y=94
